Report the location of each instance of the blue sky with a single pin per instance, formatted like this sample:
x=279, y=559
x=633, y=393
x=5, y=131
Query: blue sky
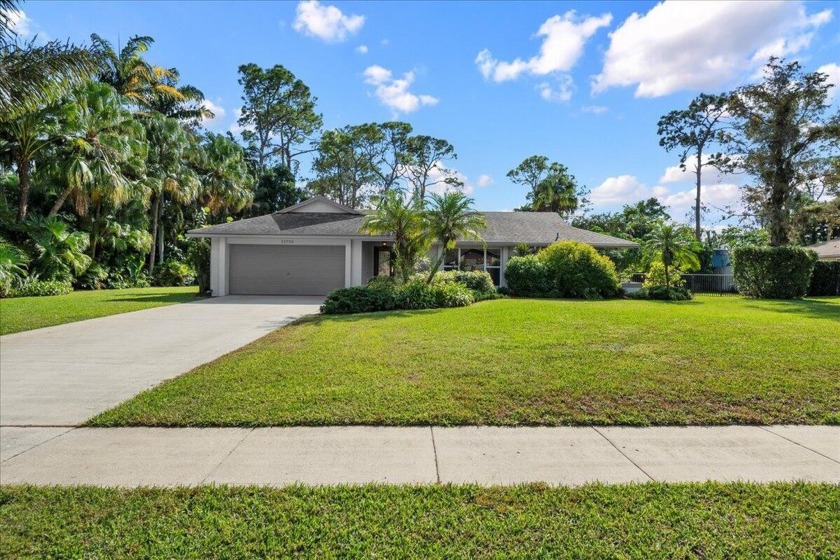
x=580, y=82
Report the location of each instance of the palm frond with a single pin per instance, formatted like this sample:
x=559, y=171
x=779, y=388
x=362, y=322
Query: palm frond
x=33, y=76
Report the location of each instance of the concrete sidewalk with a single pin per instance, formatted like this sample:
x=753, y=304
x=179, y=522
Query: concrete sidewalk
x=356, y=454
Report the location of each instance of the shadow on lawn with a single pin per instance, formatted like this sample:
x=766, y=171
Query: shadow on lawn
x=155, y=298
x=814, y=309
x=370, y=316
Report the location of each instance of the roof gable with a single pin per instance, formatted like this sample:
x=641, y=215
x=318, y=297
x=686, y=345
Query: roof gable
x=319, y=205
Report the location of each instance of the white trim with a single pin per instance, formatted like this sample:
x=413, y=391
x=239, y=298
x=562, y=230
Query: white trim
x=348, y=264
x=281, y=240
x=356, y=263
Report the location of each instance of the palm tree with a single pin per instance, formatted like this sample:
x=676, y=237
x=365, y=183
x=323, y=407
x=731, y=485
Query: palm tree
x=33, y=76
x=13, y=264
x=60, y=251
x=21, y=140
x=674, y=245
x=169, y=171
x=226, y=181
x=101, y=141
x=128, y=72
x=558, y=192
x=401, y=218
x=450, y=217
x=189, y=108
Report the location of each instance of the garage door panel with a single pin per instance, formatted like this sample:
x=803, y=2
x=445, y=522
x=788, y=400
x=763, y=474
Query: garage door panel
x=285, y=270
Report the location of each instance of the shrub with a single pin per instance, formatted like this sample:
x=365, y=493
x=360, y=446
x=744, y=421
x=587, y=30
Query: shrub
x=174, y=273
x=416, y=294
x=564, y=269
x=32, y=288
x=656, y=276
x=476, y=280
x=94, y=278
x=825, y=280
x=527, y=276
x=662, y=292
x=773, y=272
x=452, y=295
x=384, y=294
x=378, y=296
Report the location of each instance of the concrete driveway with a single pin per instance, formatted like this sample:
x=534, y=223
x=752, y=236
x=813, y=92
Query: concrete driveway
x=64, y=375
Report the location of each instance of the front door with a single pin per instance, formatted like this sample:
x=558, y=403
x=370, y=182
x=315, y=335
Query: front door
x=383, y=261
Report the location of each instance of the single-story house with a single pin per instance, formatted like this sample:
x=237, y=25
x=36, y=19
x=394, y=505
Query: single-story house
x=317, y=246
x=827, y=250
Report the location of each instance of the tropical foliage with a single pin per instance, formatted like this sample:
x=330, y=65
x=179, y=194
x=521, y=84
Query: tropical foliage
x=674, y=247
x=450, y=217
x=566, y=269
x=99, y=149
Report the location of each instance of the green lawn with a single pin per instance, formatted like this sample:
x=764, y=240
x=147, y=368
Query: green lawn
x=714, y=360
x=647, y=521
x=24, y=314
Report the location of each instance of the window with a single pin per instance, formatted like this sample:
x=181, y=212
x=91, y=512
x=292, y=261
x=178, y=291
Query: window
x=489, y=260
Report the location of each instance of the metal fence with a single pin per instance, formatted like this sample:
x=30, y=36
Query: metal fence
x=721, y=284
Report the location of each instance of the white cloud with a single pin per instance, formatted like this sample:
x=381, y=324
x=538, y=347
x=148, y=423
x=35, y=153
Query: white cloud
x=561, y=93
x=709, y=176
x=18, y=22
x=394, y=92
x=484, y=180
x=718, y=195
x=595, y=109
x=627, y=189
x=618, y=190
x=439, y=186
x=833, y=71
x=217, y=110
x=326, y=22
x=694, y=45
x=564, y=39
x=362, y=49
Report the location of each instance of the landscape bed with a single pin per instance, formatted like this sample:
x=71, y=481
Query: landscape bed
x=27, y=313
x=709, y=520
x=711, y=361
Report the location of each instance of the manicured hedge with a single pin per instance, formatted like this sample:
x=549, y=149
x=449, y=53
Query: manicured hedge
x=449, y=289
x=773, y=272
x=825, y=280
x=566, y=269
x=33, y=288
x=661, y=292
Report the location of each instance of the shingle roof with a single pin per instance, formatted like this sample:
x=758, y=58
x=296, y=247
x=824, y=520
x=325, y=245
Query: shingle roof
x=828, y=250
x=533, y=228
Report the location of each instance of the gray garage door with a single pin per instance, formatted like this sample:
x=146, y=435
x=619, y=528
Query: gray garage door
x=283, y=270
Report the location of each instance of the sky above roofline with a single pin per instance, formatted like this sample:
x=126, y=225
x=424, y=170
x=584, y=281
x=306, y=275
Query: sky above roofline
x=580, y=82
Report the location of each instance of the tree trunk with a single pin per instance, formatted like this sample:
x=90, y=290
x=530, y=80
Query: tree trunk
x=155, y=208
x=23, y=174
x=698, y=233
x=60, y=202
x=667, y=276
x=436, y=266
x=161, y=233
x=94, y=240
